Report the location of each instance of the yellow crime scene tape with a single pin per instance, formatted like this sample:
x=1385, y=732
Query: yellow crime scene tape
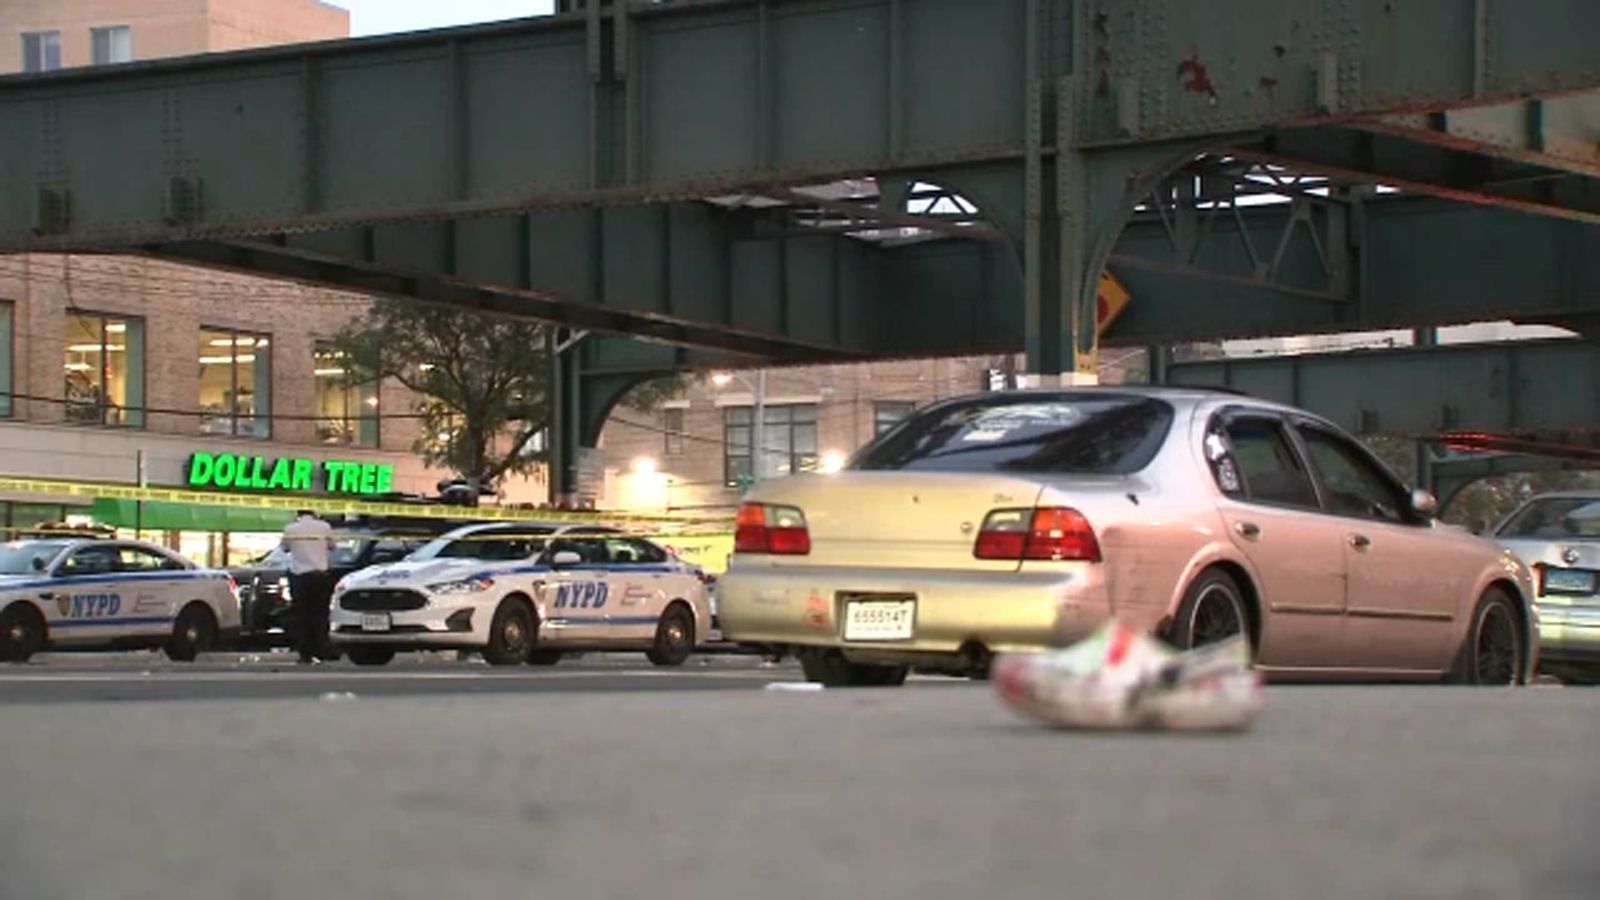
x=123, y=491
x=703, y=540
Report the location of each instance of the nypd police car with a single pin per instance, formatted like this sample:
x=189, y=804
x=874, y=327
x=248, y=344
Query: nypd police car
x=525, y=592
x=72, y=594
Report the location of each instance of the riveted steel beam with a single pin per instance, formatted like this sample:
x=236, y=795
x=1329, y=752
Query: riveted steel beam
x=648, y=102
x=1175, y=68
x=685, y=274
x=1558, y=133
x=1547, y=390
x=1438, y=170
x=1415, y=261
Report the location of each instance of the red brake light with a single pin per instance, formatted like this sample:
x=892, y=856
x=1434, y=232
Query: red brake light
x=781, y=530
x=1049, y=532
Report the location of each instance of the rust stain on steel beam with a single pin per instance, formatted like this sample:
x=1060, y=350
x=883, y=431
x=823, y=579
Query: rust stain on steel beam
x=1193, y=76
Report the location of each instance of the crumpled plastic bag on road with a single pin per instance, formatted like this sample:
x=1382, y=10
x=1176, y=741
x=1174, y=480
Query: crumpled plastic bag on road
x=1119, y=678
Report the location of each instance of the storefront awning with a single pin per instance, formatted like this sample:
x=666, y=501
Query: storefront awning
x=158, y=515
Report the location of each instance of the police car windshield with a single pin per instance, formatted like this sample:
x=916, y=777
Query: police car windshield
x=521, y=543
x=18, y=558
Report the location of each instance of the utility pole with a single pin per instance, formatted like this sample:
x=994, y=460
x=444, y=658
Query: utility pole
x=758, y=432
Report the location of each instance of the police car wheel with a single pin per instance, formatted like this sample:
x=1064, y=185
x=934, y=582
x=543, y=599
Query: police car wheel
x=674, y=637
x=370, y=656
x=538, y=657
x=194, y=633
x=510, y=633
x=21, y=633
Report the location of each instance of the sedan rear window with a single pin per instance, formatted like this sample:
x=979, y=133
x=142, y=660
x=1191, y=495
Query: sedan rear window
x=1559, y=518
x=1085, y=434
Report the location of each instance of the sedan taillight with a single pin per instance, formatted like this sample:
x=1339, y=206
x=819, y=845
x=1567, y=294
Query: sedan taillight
x=763, y=528
x=1048, y=532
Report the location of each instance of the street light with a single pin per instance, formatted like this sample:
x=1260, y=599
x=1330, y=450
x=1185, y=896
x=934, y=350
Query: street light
x=758, y=393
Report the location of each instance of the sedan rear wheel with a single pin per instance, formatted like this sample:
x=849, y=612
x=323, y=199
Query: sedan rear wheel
x=830, y=668
x=1212, y=611
x=1493, y=651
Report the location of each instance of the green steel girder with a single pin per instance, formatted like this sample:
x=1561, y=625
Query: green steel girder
x=664, y=101
x=1552, y=132
x=1177, y=68
x=687, y=274
x=675, y=275
x=1544, y=389
x=1412, y=262
x=1443, y=171
x=648, y=102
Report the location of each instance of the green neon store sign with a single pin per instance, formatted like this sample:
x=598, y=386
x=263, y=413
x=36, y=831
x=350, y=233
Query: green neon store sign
x=237, y=472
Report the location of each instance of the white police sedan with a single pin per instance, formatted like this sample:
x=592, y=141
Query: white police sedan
x=525, y=592
x=72, y=594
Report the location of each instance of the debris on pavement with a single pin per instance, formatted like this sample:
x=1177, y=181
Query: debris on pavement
x=794, y=687
x=1119, y=678
x=338, y=696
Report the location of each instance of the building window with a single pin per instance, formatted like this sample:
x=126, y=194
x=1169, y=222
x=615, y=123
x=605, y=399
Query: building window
x=887, y=413
x=41, y=51
x=235, y=383
x=347, y=404
x=112, y=45
x=672, y=429
x=7, y=313
x=789, y=436
x=16, y=517
x=104, y=370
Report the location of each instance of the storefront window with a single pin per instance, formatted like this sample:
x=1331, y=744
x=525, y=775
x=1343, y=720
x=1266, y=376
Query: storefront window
x=347, y=405
x=235, y=383
x=7, y=331
x=104, y=370
x=16, y=517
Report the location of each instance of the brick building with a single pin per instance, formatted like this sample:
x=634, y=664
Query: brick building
x=696, y=451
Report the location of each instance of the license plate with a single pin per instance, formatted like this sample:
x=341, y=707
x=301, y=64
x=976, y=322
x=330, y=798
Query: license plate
x=1568, y=581
x=879, y=620
x=375, y=622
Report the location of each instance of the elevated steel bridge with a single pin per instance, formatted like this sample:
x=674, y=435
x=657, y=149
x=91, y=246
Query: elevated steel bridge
x=805, y=180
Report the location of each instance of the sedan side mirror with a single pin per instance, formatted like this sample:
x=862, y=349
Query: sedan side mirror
x=1424, y=503
x=38, y=563
x=565, y=558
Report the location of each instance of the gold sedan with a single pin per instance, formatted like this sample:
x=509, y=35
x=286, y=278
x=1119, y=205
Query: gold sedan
x=1015, y=521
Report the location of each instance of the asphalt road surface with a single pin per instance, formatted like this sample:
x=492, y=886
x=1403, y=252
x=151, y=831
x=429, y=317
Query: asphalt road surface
x=126, y=777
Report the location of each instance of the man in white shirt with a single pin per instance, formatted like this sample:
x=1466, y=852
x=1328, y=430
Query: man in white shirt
x=308, y=539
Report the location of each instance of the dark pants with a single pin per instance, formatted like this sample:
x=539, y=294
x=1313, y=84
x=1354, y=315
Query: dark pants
x=310, y=592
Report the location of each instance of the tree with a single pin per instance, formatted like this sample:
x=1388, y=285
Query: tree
x=481, y=381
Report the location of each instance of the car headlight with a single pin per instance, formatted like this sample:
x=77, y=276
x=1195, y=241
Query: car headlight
x=475, y=585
